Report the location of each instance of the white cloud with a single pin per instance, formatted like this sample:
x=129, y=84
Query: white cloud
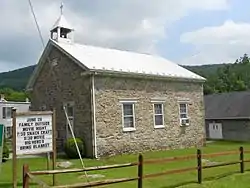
x=125, y=24
x=134, y=24
x=218, y=44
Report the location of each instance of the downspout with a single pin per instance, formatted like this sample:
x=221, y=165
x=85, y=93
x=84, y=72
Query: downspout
x=94, y=114
x=204, y=117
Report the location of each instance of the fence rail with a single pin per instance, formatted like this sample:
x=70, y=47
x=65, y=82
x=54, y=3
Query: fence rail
x=95, y=168
x=209, y=155
x=30, y=175
x=221, y=164
x=170, y=159
x=99, y=183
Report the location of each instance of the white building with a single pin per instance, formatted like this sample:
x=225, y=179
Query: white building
x=5, y=112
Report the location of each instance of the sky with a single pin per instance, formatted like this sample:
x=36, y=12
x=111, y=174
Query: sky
x=187, y=32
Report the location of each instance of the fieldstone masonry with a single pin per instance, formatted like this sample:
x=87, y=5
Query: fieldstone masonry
x=111, y=139
x=61, y=81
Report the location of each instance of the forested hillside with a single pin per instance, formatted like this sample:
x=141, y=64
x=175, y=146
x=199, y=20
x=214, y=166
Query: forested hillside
x=226, y=77
x=220, y=77
x=205, y=69
x=16, y=79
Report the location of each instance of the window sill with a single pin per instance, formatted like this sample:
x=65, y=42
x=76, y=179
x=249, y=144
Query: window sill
x=187, y=125
x=159, y=126
x=129, y=129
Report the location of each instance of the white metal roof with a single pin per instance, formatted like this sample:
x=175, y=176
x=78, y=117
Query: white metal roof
x=97, y=58
x=62, y=22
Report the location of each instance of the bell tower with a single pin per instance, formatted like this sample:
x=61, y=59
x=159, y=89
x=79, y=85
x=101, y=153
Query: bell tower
x=62, y=30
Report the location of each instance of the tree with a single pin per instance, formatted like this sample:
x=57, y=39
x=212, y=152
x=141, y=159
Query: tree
x=230, y=77
x=12, y=95
x=244, y=59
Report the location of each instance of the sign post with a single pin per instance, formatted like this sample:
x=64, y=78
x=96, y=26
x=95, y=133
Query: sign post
x=1, y=135
x=54, y=145
x=14, y=158
x=1, y=144
x=33, y=133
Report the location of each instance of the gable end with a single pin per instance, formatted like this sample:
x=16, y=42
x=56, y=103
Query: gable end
x=50, y=45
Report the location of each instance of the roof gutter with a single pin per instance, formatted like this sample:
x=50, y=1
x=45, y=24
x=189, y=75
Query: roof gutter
x=143, y=75
x=229, y=118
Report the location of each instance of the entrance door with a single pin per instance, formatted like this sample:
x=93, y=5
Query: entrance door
x=215, y=130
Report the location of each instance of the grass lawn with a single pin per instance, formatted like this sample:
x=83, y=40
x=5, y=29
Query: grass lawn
x=220, y=177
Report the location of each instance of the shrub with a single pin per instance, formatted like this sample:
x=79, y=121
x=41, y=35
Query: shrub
x=6, y=151
x=70, y=148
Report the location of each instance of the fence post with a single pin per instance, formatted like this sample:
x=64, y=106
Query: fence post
x=140, y=170
x=199, y=166
x=241, y=159
x=25, y=176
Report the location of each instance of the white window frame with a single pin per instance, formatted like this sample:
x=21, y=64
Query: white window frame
x=161, y=100
x=126, y=102
x=162, y=114
x=186, y=102
x=4, y=111
x=8, y=132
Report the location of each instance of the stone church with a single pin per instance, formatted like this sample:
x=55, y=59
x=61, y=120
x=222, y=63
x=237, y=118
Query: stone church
x=117, y=101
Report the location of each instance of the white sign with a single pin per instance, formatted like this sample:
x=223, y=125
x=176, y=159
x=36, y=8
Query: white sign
x=34, y=134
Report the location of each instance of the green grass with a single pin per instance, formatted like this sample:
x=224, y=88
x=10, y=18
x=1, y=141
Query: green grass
x=219, y=177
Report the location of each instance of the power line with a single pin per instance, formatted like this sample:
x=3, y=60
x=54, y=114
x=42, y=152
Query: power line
x=37, y=26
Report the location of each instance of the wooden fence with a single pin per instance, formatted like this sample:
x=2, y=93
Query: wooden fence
x=31, y=175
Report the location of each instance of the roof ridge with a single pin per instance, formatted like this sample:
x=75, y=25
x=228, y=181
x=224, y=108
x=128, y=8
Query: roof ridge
x=116, y=49
x=131, y=52
x=117, y=60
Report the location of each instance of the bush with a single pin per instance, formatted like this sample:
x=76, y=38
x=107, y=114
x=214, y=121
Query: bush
x=6, y=151
x=70, y=148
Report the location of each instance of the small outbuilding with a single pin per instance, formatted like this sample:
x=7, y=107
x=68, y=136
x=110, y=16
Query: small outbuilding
x=6, y=112
x=227, y=116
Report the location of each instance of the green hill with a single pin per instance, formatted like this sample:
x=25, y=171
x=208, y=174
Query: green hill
x=226, y=77
x=205, y=70
x=220, y=77
x=16, y=79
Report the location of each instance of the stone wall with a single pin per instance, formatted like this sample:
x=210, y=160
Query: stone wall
x=111, y=139
x=62, y=83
